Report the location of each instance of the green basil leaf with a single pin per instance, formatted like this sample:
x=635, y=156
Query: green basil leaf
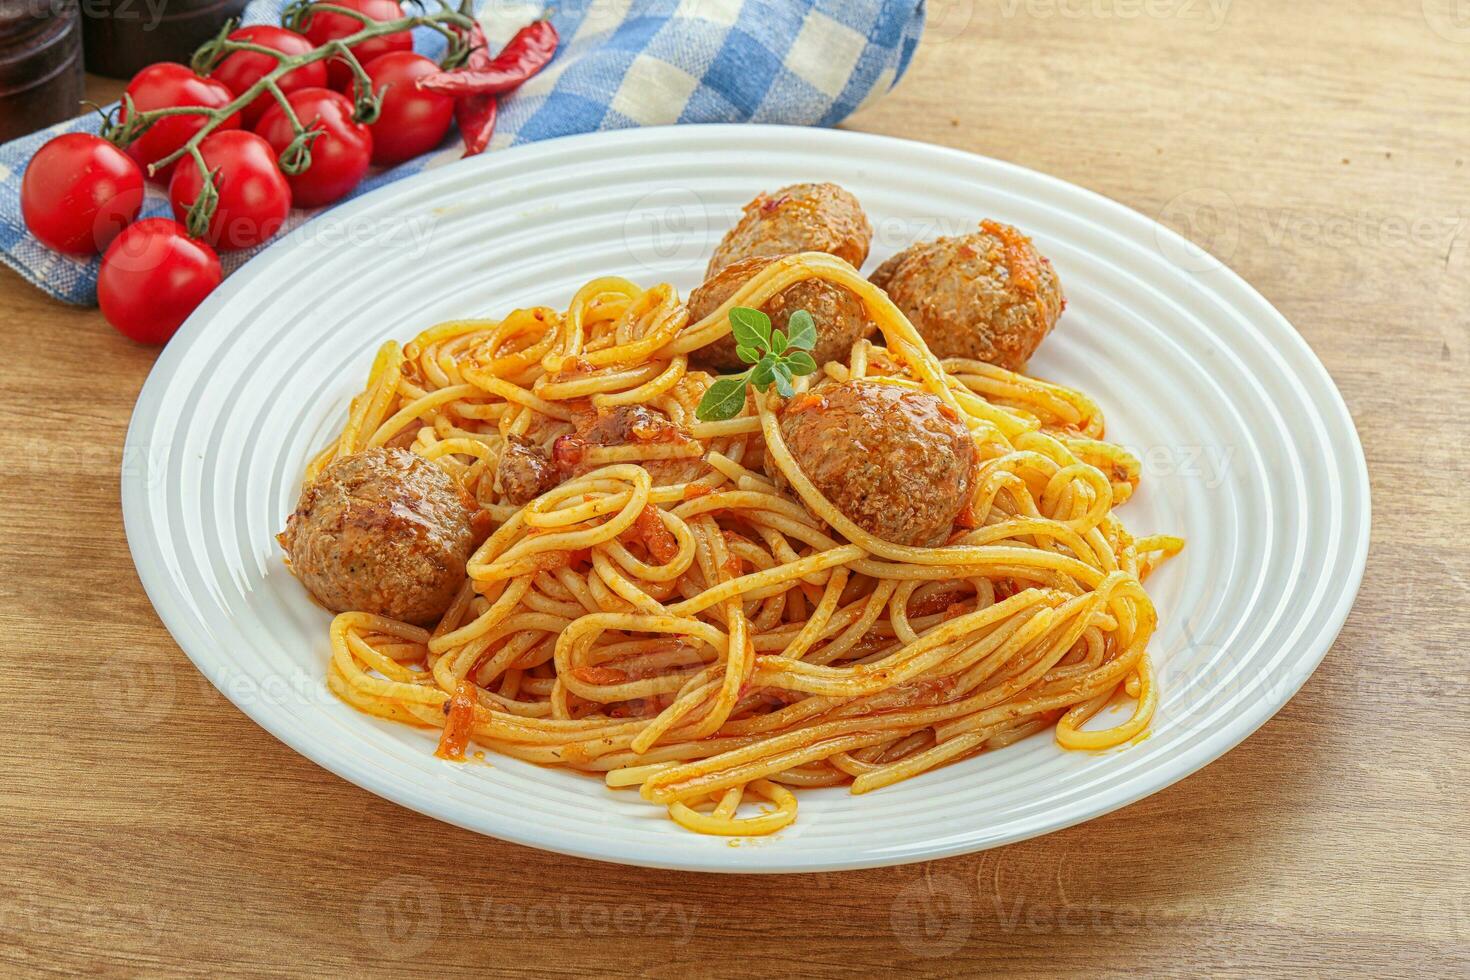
x=803, y=330
x=778, y=342
x=724, y=400
x=748, y=354
x=783, y=379
x=762, y=374
x=751, y=328
x=801, y=362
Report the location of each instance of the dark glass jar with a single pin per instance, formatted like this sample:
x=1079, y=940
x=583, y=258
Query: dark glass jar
x=123, y=36
x=40, y=64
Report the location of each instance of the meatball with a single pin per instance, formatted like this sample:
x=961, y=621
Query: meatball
x=841, y=317
x=383, y=531
x=525, y=471
x=623, y=424
x=619, y=426
x=989, y=296
x=897, y=462
x=799, y=218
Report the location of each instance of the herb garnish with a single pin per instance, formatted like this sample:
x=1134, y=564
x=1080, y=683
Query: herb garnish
x=778, y=358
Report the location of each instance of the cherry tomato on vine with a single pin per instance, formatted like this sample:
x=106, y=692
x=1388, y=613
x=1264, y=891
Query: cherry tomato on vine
x=166, y=85
x=339, y=156
x=323, y=26
x=152, y=277
x=412, y=121
x=78, y=192
x=242, y=69
x=254, y=197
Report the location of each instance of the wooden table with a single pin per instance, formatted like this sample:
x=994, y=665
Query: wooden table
x=152, y=827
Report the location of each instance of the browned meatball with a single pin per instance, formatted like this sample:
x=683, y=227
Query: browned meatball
x=383, y=531
x=623, y=424
x=841, y=317
x=525, y=471
x=799, y=218
x=897, y=462
x=989, y=296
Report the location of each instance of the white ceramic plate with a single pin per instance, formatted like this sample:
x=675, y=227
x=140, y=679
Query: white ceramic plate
x=1247, y=448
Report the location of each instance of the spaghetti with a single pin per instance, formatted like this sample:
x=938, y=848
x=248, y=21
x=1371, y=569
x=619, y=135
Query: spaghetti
x=673, y=619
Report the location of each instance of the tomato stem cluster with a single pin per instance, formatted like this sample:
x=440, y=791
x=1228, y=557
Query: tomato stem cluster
x=455, y=22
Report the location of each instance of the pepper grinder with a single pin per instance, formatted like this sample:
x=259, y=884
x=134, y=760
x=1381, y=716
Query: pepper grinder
x=40, y=64
x=123, y=36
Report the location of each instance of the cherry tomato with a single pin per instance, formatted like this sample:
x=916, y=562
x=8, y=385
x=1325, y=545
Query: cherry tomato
x=254, y=197
x=152, y=277
x=164, y=86
x=339, y=157
x=78, y=192
x=412, y=121
x=243, y=69
x=321, y=27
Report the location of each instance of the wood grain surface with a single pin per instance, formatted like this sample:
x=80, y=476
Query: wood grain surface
x=1319, y=147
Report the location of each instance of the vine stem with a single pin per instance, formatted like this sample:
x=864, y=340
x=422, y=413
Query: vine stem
x=296, y=157
x=201, y=212
x=211, y=53
x=445, y=21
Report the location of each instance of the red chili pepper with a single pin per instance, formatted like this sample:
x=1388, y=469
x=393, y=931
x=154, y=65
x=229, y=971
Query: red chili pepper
x=526, y=54
x=479, y=54
x=476, y=117
x=475, y=114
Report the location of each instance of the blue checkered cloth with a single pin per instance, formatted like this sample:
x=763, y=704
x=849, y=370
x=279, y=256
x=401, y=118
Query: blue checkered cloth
x=622, y=63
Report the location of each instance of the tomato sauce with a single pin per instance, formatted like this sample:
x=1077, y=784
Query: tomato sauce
x=649, y=530
x=600, y=675
x=459, y=723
